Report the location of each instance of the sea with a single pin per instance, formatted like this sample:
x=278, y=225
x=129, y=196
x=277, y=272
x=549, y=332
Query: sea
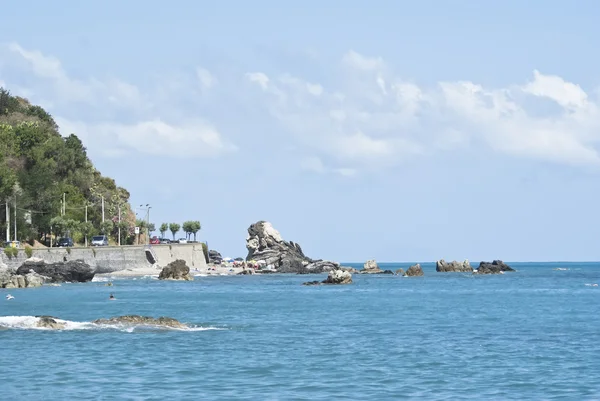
x=532, y=334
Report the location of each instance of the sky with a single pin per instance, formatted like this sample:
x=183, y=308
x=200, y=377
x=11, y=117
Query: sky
x=387, y=130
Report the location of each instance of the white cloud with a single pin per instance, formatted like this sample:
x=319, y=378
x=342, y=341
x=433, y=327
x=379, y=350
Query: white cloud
x=259, y=78
x=207, y=80
x=376, y=119
x=145, y=128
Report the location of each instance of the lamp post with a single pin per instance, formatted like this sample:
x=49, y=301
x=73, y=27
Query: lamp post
x=147, y=207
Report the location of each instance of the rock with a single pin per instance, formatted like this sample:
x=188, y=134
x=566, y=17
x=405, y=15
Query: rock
x=414, y=271
x=176, y=270
x=142, y=320
x=49, y=322
x=371, y=267
x=245, y=271
x=265, y=243
x=338, y=277
x=496, y=267
x=214, y=257
x=400, y=272
x=75, y=271
x=454, y=266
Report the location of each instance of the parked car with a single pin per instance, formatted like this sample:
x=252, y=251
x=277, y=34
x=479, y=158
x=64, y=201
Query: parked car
x=12, y=244
x=64, y=242
x=155, y=240
x=100, y=240
x=164, y=240
x=182, y=241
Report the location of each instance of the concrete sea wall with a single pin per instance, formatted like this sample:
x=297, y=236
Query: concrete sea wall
x=108, y=259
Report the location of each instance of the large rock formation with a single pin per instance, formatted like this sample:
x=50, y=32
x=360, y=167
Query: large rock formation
x=74, y=271
x=334, y=277
x=176, y=270
x=214, y=257
x=414, y=271
x=496, y=267
x=265, y=243
x=142, y=320
x=454, y=266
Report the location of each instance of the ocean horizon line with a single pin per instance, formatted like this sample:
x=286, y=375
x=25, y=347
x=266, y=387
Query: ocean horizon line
x=477, y=261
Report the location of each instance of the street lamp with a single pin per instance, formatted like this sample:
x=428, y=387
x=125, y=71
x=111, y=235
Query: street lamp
x=147, y=207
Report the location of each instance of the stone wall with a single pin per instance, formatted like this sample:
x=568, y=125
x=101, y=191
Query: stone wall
x=107, y=259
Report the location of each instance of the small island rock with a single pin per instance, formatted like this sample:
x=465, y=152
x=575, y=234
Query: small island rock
x=496, y=267
x=176, y=270
x=414, y=271
x=454, y=266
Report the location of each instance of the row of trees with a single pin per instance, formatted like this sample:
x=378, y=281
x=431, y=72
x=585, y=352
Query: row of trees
x=190, y=228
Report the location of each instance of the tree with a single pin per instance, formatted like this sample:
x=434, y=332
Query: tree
x=164, y=227
x=174, y=228
x=87, y=229
x=106, y=227
x=196, y=226
x=58, y=225
x=187, y=228
x=71, y=226
x=151, y=228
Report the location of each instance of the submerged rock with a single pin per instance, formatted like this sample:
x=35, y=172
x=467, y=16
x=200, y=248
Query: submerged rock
x=176, y=270
x=142, y=320
x=49, y=322
x=414, y=271
x=264, y=243
x=72, y=271
x=496, y=267
x=454, y=266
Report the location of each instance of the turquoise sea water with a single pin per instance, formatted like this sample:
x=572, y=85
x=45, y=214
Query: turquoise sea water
x=533, y=334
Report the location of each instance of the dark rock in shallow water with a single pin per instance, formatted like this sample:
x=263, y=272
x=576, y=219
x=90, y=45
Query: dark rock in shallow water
x=176, y=270
x=74, y=271
x=142, y=320
x=496, y=267
x=414, y=271
x=334, y=277
x=264, y=243
x=454, y=266
x=49, y=322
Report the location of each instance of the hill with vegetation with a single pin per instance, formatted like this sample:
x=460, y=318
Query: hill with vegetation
x=39, y=168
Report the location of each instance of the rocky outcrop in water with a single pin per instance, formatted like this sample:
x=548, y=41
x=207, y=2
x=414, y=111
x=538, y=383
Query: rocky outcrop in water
x=265, y=243
x=371, y=267
x=176, y=270
x=399, y=272
x=414, y=271
x=142, y=320
x=454, y=266
x=73, y=271
x=496, y=267
x=49, y=322
x=334, y=277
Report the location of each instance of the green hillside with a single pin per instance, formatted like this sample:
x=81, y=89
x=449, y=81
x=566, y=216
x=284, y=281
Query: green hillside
x=38, y=167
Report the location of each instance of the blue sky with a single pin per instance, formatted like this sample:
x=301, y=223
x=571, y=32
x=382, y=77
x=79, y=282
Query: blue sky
x=401, y=131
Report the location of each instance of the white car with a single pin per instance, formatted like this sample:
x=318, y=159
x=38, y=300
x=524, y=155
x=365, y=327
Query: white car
x=182, y=241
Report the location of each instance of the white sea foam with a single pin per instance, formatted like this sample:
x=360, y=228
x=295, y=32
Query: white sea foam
x=97, y=279
x=31, y=323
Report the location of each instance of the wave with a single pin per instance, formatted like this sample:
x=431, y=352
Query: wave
x=31, y=323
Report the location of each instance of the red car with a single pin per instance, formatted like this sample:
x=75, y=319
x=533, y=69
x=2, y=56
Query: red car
x=154, y=240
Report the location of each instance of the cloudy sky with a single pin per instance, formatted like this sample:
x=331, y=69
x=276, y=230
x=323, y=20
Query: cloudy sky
x=395, y=130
